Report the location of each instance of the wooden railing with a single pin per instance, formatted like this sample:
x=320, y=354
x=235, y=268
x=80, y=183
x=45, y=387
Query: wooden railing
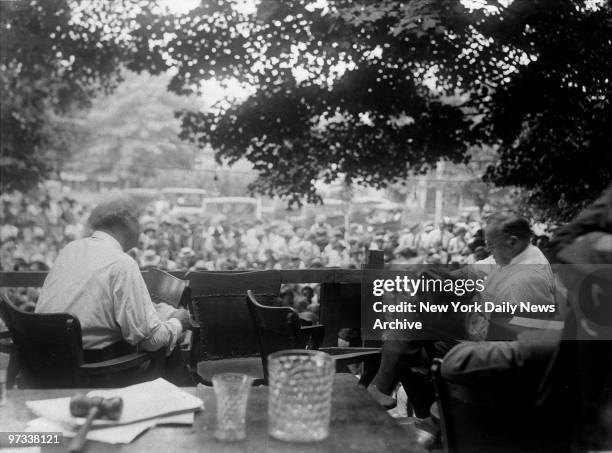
x=324, y=275
x=340, y=293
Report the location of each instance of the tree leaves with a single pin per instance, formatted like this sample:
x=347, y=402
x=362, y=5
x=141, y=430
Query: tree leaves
x=56, y=55
x=369, y=91
x=532, y=78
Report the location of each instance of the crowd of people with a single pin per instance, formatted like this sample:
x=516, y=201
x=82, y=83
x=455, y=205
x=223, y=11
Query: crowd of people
x=34, y=228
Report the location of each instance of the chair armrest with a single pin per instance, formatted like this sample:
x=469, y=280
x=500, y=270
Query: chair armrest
x=350, y=350
x=345, y=356
x=121, y=363
x=194, y=354
x=370, y=357
x=313, y=336
x=187, y=342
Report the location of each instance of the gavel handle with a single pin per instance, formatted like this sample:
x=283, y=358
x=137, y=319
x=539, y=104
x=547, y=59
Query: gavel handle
x=77, y=444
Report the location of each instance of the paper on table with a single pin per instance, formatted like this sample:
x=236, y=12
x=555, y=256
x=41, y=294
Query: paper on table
x=536, y=323
x=21, y=450
x=122, y=434
x=140, y=402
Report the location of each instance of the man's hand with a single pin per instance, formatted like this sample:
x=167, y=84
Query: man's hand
x=183, y=316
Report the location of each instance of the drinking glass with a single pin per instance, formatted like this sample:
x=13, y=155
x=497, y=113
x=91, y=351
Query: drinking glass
x=299, y=402
x=4, y=360
x=231, y=394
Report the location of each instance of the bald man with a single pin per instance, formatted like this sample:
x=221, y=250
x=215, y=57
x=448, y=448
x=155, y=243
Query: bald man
x=95, y=280
x=522, y=274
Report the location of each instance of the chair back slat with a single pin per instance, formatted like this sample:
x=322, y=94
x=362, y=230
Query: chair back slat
x=277, y=328
x=260, y=282
x=226, y=330
x=49, y=346
x=164, y=287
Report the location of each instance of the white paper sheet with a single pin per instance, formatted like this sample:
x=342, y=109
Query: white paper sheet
x=140, y=402
x=20, y=450
x=122, y=434
x=536, y=323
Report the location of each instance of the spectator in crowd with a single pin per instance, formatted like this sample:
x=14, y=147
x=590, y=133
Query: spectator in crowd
x=287, y=298
x=149, y=260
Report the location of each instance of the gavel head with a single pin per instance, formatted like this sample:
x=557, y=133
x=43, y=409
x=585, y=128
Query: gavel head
x=110, y=408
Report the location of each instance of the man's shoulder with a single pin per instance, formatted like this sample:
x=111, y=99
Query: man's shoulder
x=125, y=262
x=73, y=247
x=533, y=256
x=529, y=276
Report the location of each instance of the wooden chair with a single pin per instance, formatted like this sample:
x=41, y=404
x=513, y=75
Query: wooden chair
x=279, y=328
x=164, y=287
x=493, y=416
x=48, y=353
x=203, y=283
x=225, y=340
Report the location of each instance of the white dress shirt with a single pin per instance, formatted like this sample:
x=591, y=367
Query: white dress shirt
x=527, y=278
x=95, y=281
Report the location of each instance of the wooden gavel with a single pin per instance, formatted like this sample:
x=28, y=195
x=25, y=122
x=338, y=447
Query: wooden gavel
x=92, y=407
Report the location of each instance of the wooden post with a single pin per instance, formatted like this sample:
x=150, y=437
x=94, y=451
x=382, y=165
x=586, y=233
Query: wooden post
x=439, y=192
x=375, y=259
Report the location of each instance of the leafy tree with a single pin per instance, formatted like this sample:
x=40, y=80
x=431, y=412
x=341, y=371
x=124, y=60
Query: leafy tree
x=551, y=116
x=376, y=91
x=55, y=56
x=136, y=122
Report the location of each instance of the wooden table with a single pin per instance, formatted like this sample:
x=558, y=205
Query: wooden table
x=358, y=424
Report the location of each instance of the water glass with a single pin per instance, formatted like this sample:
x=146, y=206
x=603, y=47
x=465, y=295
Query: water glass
x=4, y=360
x=231, y=394
x=299, y=402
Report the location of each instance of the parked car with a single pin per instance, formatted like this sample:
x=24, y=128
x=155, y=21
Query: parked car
x=233, y=208
x=183, y=201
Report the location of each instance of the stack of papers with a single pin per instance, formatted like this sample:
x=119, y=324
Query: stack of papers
x=145, y=405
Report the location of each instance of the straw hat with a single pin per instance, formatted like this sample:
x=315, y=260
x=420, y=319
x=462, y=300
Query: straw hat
x=186, y=253
x=149, y=259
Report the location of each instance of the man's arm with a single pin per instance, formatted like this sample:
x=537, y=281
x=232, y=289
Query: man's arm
x=135, y=313
x=164, y=310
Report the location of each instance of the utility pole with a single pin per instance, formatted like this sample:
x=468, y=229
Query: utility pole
x=439, y=192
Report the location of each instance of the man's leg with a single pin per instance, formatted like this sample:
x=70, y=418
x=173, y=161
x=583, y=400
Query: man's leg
x=396, y=355
x=414, y=375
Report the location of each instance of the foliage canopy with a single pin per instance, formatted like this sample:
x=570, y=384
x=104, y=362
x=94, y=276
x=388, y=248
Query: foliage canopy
x=56, y=55
x=370, y=91
x=376, y=91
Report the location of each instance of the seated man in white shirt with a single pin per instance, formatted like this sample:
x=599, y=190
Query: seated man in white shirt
x=520, y=273
x=95, y=280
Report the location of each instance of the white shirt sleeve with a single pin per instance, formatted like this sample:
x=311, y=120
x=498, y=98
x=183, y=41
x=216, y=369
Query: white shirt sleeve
x=136, y=314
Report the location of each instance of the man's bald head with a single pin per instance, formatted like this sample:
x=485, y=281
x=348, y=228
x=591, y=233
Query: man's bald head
x=506, y=236
x=510, y=225
x=117, y=216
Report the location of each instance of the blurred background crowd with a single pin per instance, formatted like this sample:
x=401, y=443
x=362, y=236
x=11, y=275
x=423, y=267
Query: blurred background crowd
x=34, y=228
